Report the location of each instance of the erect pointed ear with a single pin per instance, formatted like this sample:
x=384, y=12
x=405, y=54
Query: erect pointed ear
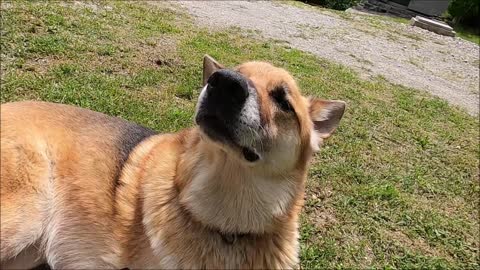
x=209, y=67
x=326, y=115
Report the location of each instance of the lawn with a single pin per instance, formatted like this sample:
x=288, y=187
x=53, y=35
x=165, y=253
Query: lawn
x=470, y=34
x=396, y=187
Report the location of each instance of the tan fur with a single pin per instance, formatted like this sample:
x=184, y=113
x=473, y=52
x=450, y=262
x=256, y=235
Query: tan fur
x=177, y=195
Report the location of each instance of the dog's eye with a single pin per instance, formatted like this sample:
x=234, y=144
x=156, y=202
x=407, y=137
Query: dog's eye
x=280, y=97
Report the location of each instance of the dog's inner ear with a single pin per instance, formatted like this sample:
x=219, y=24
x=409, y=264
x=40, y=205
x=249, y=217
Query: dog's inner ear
x=209, y=67
x=326, y=115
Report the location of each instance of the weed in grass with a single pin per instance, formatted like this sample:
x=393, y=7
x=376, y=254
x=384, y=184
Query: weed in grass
x=47, y=45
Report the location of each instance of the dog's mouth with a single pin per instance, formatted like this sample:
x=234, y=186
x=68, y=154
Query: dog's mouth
x=250, y=154
x=217, y=130
x=214, y=128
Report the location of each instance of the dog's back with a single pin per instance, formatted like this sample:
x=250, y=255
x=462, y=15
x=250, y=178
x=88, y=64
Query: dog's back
x=60, y=170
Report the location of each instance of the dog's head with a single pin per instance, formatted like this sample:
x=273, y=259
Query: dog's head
x=256, y=113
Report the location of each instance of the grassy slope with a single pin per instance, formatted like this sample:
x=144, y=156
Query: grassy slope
x=397, y=186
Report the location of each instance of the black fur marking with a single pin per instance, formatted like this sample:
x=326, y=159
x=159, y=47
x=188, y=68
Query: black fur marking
x=129, y=137
x=279, y=95
x=42, y=267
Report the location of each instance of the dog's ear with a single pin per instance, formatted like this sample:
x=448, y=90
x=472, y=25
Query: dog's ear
x=326, y=115
x=209, y=67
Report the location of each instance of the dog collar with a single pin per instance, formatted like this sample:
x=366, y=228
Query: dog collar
x=228, y=238
x=231, y=238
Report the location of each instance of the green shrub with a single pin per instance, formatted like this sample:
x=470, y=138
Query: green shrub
x=333, y=4
x=465, y=12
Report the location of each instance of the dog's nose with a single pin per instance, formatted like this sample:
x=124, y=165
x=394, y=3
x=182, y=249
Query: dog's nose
x=228, y=88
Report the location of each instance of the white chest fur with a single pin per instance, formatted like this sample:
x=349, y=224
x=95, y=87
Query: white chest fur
x=234, y=200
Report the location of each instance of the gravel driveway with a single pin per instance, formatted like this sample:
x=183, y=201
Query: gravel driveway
x=372, y=45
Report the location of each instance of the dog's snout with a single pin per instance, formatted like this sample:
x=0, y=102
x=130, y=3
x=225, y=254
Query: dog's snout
x=227, y=107
x=228, y=87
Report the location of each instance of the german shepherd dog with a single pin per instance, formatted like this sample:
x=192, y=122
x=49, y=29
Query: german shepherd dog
x=80, y=189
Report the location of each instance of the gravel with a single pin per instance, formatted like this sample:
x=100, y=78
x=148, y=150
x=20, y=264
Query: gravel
x=372, y=45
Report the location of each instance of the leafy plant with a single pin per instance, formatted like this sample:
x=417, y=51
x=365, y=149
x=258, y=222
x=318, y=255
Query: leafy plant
x=465, y=12
x=333, y=4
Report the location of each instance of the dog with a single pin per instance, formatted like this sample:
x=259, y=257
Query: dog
x=80, y=189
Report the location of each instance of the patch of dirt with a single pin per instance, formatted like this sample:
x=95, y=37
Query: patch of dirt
x=416, y=244
x=318, y=208
x=157, y=52
x=369, y=257
x=42, y=65
x=372, y=45
x=324, y=218
x=5, y=5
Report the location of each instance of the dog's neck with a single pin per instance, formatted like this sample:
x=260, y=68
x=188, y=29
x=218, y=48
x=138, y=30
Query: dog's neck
x=232, y=198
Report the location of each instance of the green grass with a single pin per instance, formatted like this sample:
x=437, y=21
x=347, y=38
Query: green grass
x=396, y=186
x=472, y=35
